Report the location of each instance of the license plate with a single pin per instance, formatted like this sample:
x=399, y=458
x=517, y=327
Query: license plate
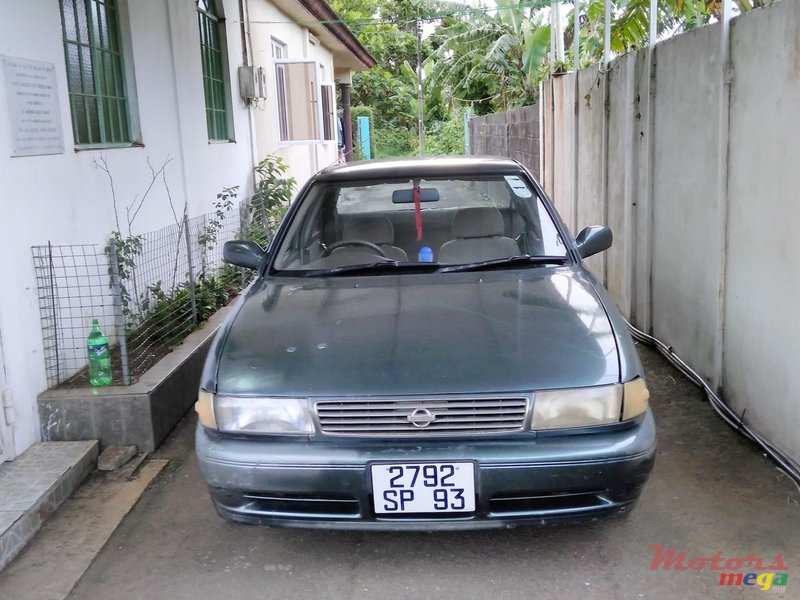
x=423, y=488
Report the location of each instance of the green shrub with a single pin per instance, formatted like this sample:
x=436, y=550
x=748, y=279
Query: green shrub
x=446, y=137
x=390, y=143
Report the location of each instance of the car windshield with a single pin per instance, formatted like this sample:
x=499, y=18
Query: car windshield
x=417, y=224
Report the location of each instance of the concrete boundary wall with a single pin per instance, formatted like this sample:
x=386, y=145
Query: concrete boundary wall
x=703, y=208
x=762, y=278
x=514, y=133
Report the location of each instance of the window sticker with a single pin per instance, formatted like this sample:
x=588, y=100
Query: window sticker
x=518, y=186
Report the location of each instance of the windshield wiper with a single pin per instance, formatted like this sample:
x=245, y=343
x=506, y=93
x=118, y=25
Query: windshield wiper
x=521, y=260
x=393, y=266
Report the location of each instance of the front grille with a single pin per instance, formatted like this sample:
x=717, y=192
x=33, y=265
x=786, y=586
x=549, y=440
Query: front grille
x=419, y=417
x=520, y=504
x=318, y=505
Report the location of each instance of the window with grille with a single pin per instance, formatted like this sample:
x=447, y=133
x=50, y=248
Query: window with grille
x=95, y=72
x=214, y=86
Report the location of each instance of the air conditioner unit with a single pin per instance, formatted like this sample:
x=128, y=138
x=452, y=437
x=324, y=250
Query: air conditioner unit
x=247, y=87
x=261, y=82
x=252, y=82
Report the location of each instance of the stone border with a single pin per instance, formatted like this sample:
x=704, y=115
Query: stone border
x=141, y=414
x=34, y=485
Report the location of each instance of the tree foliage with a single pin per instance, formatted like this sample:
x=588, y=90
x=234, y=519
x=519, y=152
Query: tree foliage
x=499, y=55
x=487, y=60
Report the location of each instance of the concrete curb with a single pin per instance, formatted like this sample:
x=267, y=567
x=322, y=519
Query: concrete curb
x=34, y=485
x=58, y=557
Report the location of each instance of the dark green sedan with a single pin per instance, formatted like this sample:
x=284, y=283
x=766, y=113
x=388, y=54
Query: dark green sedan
x=423, y=348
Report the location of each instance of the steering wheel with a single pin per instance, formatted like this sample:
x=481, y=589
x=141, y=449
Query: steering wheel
x=345, y=243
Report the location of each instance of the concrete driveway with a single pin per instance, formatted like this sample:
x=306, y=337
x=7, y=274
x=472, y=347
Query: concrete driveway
x=710, y=491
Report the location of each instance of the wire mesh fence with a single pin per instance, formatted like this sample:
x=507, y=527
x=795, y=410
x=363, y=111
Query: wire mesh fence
x=148, y=292
x=73, y=285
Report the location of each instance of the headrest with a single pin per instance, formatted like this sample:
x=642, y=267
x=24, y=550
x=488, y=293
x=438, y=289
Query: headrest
x=484, y=221
x=377, y=230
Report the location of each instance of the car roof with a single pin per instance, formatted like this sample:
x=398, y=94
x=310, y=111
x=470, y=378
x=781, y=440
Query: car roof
x=419, y=167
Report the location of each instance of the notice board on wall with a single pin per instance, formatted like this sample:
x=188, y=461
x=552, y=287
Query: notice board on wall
x=32, y=102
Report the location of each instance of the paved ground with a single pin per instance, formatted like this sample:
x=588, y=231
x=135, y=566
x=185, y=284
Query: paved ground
x=710, y=491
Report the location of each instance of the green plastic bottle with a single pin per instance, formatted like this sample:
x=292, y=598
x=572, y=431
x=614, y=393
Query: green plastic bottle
x=99, y=357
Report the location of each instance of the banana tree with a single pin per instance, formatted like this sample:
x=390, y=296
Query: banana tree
x=498, y=53
x=631, y=22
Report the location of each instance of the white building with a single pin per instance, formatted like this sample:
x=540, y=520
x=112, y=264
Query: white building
x=99, y=92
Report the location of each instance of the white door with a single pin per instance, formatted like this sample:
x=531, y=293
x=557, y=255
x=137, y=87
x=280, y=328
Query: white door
x=6, y=413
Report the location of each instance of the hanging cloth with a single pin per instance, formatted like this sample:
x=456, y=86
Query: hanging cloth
x=416, y=193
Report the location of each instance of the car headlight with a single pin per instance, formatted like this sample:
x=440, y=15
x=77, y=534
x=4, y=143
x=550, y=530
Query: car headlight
x=204, y=407
x=237, y=414
x=577, y=407
x=634, y=398
x=584, y=407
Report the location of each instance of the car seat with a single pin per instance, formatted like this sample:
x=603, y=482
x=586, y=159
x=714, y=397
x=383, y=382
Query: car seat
x=479, y=234
x=376, y=229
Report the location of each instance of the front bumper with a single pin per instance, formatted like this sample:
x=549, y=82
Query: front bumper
x=524, y=480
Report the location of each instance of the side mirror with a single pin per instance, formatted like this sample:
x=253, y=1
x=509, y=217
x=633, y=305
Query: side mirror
x=594, y=239
x=243, y=253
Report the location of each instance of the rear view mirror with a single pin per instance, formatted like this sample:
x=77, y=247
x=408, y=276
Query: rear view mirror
x=243, y=253
x=593, y=239
x=407, y=196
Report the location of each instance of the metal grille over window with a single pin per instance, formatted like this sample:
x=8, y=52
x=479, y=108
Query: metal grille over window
x=95, y=74
x=211, y=48
x=389, y=417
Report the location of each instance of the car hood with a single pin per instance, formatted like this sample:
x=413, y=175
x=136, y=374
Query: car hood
x=418, y=334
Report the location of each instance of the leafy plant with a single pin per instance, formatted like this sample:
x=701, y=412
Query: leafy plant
x=232, y=278
x=390, y=143
x=211, y=294
x=166, y=317
x=224, y=204
x=446, y=137
x=167, y=314
x=274, y=191
x=495, y=55
x=123, y=250
x=163, y=314
x=207, y=238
